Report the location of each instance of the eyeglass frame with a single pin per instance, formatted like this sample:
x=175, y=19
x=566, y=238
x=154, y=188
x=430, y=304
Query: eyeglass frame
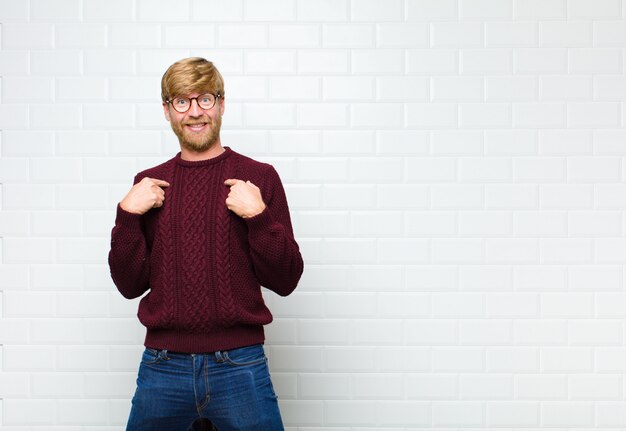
x=215, y=96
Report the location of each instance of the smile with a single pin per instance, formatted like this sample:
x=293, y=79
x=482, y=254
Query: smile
x=197, y=127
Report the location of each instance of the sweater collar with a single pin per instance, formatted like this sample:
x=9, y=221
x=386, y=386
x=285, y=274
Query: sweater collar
x=192, y=164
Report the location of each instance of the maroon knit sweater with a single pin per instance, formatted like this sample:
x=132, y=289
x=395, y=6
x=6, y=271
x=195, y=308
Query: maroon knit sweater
x=202, y=264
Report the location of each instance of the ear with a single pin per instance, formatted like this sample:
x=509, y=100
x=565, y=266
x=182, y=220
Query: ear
x=222, y=105
x=166, y=111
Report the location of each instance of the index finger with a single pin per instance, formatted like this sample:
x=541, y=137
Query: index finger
x=232, y=181
x=160, y=183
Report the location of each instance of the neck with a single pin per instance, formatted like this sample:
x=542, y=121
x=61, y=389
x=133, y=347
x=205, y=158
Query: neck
x=196, y=156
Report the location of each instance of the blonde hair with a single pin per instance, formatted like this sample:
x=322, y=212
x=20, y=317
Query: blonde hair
x=190, y=75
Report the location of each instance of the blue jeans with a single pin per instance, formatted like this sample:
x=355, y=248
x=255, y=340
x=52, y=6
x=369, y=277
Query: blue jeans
x=232, y=388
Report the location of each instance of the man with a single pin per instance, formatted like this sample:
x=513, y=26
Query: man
x=201, y=233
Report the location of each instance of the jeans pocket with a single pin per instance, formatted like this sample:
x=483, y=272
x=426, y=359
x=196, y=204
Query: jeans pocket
x=150, y=357
x=245, y=356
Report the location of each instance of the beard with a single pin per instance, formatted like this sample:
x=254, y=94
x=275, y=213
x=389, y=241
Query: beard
x=197, y=141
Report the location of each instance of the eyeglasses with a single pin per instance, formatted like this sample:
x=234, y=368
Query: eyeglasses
x=182, y=104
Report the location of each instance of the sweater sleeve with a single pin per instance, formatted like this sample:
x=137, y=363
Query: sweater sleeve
x=129, y=255
x=275, y=254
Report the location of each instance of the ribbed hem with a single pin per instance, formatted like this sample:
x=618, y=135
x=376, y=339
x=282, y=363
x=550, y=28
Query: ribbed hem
x=224, y=339
x=260, y=221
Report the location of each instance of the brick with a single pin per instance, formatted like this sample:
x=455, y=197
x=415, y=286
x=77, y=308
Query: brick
x=512, y=359
x=565, y=360
x=293, y=88
x=324, y=386
x=594, y=333
x=398, y=413
x=514, y=196
x=294, y=36
x=514, y=88
x=347, y=142
x=13, y=223
x=541, y=224
x=27, y=304
x=611, y=413
x=574, y=414
x=14, y=116
x=56, y=277
x=80, y=35
x=540, y=387
x=112, y=11
x=398, y=35
x=408, y=251
x=327, y=332
x=14, y=63
x=451, y=88
x=80, y=89
x=431, y=387
x=566, y=88
x=569, y=305
x=432, y=10
x=31, y=196
x=377, y=10
x=594, y=60
x=55, y=116
x=483, y=61
x=579, y=9
x=382, y=62
x=510, y=142
x=431, y=224
x=81, y=143
x=60, y=10
x=318, y=223
x=432, y=61
x=19, y=412
x=513, y=413
x=402, y=142
x=540, y=278
x=322, y=62
x=540, y=61
x=565, y=142
x=238, y=36
x=409, y=305
x=273, y=10
x=24, y=90
x=134, y=35
x=14, y=170
x=369, y=277
x=539, y=115
x=101, y=116
x=459, y=35
x=349, y=359
x=14, y=11
x=377, y=115
x=426, y=278
x=431, y=115
x=430, y=169
x=540, y=9
x=485, y=169
x=57, y=223
x=270, y=62
x=487, y=223
x=465, y=196
x=378, y=386
x=593, y=169
x=131, y=143
x=457, y=250
x=485, y=9
x=594, y=387
x=349, y=305
x=511, y=34
x=405, y=359
x=302, y=412
x=81, y=412
x=452, y=142
x=539, y=169
x=57, y=385
x=65, y=62
x=563, y=34
x=455, y=413
x=354, y=413
x=570, y=196
x=189, y=36
x=596, y=224
x=511, y=250
x=27, y=36
x=322, y=10
x=538, y=332
x=387, y=224
x=322, y=115
x=348, y=36
x=485, y=115
x=300, y=142
x=349, y=250
x=566, y=250
x=59, y=170
x=218, y=10
x=611, y=196
x=163, y=10
x=480, y=332
x=511, y=305
x=33, y=250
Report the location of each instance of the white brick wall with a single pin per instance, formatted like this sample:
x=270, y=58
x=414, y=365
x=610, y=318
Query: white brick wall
x=455, y=170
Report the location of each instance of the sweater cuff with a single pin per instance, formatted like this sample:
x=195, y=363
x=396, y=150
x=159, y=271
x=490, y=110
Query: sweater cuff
x=260, y=221
x=126, y=219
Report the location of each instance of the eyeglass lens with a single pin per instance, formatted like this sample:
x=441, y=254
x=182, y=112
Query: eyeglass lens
x=182, y=104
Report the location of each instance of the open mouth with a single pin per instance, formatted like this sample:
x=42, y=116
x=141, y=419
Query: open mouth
x=196, y=127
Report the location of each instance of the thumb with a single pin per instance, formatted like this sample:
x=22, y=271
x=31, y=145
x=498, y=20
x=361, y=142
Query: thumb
x=231, y=182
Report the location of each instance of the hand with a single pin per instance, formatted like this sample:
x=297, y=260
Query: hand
x=244, y=198
x=145, y=195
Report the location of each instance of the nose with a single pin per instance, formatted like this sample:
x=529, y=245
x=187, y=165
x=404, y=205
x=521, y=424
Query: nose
x=195, y=110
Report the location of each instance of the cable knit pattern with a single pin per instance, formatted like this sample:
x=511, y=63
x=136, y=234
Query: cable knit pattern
x=201, y=264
